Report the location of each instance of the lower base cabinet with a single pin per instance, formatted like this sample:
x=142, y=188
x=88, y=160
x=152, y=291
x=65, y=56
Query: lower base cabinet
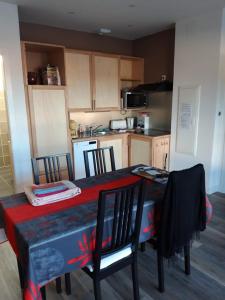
x=160, y=152
x=120, y=148
x=153, y=151
x=139, y=151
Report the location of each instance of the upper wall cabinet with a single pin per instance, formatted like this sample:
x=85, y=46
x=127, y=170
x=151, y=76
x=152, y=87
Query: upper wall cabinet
x=78, y=75
x=37, y=56
x=106, y=82
x=131, y=71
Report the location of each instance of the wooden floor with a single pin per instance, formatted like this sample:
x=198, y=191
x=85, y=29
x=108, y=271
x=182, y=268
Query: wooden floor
x=206, y=282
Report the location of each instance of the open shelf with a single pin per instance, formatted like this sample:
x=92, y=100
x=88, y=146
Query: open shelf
x=37, y=56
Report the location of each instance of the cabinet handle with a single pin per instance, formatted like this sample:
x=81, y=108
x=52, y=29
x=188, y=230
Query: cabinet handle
x=93, y=105
x=165, y=162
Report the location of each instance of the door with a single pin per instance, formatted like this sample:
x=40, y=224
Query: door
x=6, y=168
x=118, y=152
x=78, y=76
x=106, y=82
x=140, y=151
x=48, y=121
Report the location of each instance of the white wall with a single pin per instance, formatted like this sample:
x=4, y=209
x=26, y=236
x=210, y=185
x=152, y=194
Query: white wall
x=10, y=50
x=197, y=62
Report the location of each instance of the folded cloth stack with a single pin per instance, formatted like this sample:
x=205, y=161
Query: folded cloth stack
x=51, y=192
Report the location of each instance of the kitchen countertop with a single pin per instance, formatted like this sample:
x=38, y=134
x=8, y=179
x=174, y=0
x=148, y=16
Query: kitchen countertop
x=146, y=133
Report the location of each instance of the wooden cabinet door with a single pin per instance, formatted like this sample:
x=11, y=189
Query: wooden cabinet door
x=158, y=153
x=161, y=153
x=48, y=121
x=106, y=82
x=132, y=69
x=167, y=152
x=140, y=151
x=117, y=144
x=126, y=69
x=79, y=85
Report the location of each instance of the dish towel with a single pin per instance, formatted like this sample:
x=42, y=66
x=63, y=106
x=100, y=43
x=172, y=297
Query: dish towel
x=51, y=192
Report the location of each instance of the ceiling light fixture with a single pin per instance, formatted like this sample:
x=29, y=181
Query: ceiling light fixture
x=131, y=5
x=103, y=31
x=71, y=12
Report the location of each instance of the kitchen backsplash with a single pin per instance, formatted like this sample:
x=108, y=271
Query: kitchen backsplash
x=99, y=118
x=159, y=109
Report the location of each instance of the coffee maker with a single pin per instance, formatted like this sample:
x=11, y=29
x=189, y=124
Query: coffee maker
x=143, y=120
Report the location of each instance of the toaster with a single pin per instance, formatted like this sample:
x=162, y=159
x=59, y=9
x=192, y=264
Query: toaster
x=118, y=124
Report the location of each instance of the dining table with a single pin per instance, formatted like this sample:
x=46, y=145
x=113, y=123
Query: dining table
x=54, y=239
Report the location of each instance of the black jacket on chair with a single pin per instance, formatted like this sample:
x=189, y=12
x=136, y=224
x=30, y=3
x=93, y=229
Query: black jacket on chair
x=183, y=211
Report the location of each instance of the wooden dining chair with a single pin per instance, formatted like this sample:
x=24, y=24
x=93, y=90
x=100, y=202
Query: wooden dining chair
x=52, y=168
x=98, y=159
x=126, y=206
x=182, y=217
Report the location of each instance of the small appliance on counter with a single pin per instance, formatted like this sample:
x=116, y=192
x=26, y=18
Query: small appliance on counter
x=130, y=122
x=73, y=129
x=143, y=121
x=118, y=124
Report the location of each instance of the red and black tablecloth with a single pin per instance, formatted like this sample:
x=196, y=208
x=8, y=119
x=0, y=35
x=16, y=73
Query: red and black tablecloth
x=55, y=239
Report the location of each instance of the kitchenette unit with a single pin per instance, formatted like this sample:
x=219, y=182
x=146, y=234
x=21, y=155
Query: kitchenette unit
x=64, y=84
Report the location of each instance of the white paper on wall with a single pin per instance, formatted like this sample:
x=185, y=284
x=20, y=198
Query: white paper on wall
x=187, y=121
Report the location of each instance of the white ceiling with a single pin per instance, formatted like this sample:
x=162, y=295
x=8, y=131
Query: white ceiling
x=129, y=19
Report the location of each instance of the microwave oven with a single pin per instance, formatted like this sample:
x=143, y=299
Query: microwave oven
x=134, y=100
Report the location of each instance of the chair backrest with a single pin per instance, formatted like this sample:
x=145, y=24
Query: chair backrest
x=52, y=167
x=97, y=159
x=122, y=208
x=183, y=212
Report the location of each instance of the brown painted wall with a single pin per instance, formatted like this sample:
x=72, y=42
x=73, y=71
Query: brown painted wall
x=158, y=52
x=74, y=39
x=157, y=49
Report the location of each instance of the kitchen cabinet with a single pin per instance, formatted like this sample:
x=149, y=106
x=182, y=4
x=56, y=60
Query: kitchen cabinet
x=36, y=56
x=161, y=146
x=139, y=150
x=48, y=118
x=79, y=85
x=120, y=148
x=106, y=82
x=92, y=81
x=132, y=69
x=153, y=151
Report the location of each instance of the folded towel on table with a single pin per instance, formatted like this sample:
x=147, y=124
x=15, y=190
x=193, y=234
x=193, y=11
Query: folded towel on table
x=51, y=192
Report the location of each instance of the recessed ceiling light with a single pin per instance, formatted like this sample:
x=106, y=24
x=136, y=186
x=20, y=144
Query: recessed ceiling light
x=71, y=13
x=131, y=5
x=105, y=31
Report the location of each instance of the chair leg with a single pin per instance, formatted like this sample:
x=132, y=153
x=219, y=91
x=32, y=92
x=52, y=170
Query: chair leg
x=187, y=260
x=20, y=274
x=58, y=283
x=160, y=272
x=135, y=279
x=143, y=247
x=68, y=283
x=97, y=289
x=43, y=293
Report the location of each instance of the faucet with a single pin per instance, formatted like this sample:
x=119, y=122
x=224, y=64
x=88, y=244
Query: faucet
x=93, y=130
